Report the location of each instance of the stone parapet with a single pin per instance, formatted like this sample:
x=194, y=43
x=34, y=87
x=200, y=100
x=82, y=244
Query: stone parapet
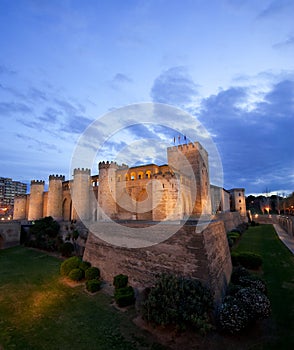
x=56, y=177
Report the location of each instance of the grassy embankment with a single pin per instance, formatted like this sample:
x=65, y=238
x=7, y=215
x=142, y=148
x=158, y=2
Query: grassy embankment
x=278, y=272
x=38, y=311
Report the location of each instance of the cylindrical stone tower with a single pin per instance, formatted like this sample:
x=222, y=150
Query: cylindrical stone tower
x=54, y=205
x=19, y=208
x=80, y=192
x=107, y=190
x=36, y=200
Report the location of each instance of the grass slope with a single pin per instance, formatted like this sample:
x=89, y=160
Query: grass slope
x=278, y=272
x=37, y=311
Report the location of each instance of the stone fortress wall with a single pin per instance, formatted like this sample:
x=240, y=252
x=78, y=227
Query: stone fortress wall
x=172, y=191
x=147, y=194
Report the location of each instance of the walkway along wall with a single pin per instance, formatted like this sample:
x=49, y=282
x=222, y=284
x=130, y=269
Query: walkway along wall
x=287, y=222
x=203, y=255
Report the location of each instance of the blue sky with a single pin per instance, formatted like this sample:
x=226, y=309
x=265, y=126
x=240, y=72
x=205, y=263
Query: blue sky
x=229, y=63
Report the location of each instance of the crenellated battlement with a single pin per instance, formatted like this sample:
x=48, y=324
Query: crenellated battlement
x=85, y=171
x=185, y=146
x=37, y=182
x=107, y=165
x=56, y=177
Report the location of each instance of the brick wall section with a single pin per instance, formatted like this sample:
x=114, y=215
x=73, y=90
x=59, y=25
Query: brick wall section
x=203, y=255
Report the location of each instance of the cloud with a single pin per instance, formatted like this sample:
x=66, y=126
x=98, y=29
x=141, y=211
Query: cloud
x=286, y=43
x=254, y=144
x=41, y=145
x=8, y=108
x=276, y=7
x=174, y=86
x=36, y=94
x=76, y=124
x=50, y=115
x=121, y=78
x=6, y=70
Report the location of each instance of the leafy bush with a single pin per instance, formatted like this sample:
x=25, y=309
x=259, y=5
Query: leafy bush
x=236, y=230
x=120, y=281
x=66, y=249
x=44, y=234
x=84, y=265
x=124, y=296
x=245, y=301
x=92, y=273
x=232, y=316
x=253, y=281
x=239, y=272
x=69, y=264
x=76, y=274
x=232, y=238
x=256, y=303
x=178, y=301
x=248, y=260
x=93, y=285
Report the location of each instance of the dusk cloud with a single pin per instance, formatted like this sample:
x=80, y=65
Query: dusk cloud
x=275, y=7
x=174, y=86
x=10, y=108
x=253, y=143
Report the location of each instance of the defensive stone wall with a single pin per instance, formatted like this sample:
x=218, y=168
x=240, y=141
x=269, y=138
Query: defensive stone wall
x=203, y=255
x=9, y=234
x=230, y=219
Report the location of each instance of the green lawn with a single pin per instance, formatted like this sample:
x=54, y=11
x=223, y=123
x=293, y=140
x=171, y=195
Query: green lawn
x=278, y=272
x=38, y=311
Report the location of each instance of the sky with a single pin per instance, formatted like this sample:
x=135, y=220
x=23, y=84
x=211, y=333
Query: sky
x=65, y=64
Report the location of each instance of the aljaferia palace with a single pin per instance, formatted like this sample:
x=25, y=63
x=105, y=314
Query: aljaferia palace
x=173, y=191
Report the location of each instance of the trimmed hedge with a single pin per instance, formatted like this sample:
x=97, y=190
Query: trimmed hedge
x=84, y=265
x=76, y=274
x=93, y=285
x=124, y=296
x=120, y=281
x=248, y=260
x=92, y=273
x=69, y=264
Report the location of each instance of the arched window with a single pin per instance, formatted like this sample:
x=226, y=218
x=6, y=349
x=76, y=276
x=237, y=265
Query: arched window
x=133, y=176
x=140, y=175
x=148, y=174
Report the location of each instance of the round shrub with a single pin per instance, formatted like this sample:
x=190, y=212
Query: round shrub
x=69, y=264
x=249, y=260
x=66, y=249
x=256, y=303
x=239, y=272
x=232, y=315
x=93, y=285
x=84, y=265
x=92, y=273
x=120, y=281
x=253, y=281
x=124, y=296
x=236, y=230
x=76, y=274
